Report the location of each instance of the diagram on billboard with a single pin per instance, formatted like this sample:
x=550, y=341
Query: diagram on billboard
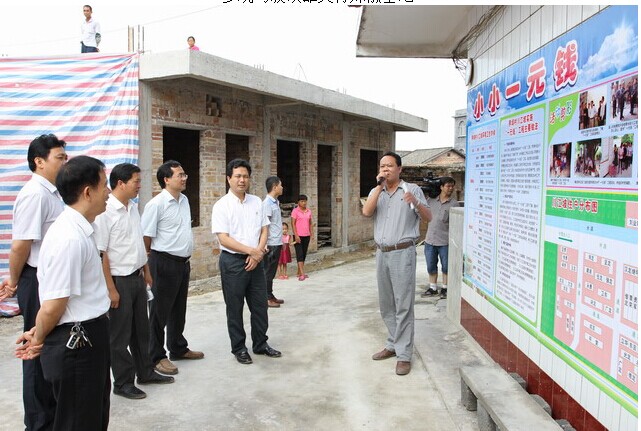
x=596, y=299
x=591, y=227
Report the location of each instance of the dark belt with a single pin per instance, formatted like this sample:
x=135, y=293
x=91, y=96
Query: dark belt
x=173, y=257
x=399, y=246
x=86, y=322
x=239, y=255
x=136, y=273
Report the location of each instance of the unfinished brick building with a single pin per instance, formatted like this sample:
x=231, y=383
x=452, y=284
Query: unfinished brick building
x=203, y=111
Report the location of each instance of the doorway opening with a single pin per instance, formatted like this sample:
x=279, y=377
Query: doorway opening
x=288, y=162
x=236, y=147
x=183, y=146
x=325, y=180
x=369, y=170
x=288, y=170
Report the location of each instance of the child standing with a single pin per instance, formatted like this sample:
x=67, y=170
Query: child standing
x=303, y=231
x=285, y=254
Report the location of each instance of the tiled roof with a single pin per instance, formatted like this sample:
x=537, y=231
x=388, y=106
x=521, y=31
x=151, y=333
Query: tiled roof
x=424, y=156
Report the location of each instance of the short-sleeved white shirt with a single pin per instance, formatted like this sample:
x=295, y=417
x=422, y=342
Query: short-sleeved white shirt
x=70, y=267
x=37, y=206
x=241, y=220
x=118, y=232
x=88, y=30
x=167, y=222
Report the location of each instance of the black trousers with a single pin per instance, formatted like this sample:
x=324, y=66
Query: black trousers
x=301, y=248
x=270, y=262
x=240, y=285
x=85, y=49
x=80, y=377
x=37, y=395
x=169, y=306
x=129, y=327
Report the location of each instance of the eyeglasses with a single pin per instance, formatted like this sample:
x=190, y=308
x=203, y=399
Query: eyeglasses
x=181, y=176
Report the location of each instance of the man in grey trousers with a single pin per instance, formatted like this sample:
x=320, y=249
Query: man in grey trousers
x=397, y=208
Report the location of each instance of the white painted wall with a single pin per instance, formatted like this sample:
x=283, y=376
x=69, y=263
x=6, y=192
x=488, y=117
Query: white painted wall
x=517, y=32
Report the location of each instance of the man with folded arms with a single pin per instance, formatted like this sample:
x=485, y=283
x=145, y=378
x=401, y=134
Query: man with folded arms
x=124, y=261
x=397, y=208
x=166, y=226
x=239, y=222
x=71, y=335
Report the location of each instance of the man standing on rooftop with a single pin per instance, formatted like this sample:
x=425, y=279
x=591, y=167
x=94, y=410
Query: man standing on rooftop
x=90, y=32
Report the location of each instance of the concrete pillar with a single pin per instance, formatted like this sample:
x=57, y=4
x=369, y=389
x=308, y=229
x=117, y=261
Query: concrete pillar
x=455, y=265
x=484, y=419
x=347, y=192
x=267, y=148
x=544, y=405
x=565, y=425
x=147, y=173
x=468, y=399
x=520, y=380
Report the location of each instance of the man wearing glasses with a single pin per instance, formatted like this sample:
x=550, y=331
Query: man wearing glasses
x=166, y=226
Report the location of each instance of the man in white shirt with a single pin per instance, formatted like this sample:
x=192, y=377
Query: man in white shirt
x=124, y=262
x=240, y=224
x=72, y=319
x=90, y=32
x=166, y=226
x=37, y=206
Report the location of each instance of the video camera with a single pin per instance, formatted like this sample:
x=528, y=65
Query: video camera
x=432, y=187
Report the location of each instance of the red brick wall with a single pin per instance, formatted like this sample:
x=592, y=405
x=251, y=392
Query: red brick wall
x=511, y=359
x=183, y=103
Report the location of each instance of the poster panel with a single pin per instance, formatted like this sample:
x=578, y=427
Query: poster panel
x=551, y=215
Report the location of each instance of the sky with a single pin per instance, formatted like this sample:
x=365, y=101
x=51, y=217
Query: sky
x=312, y=42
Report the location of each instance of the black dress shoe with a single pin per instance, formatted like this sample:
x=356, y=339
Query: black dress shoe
x=131, y=392
x=244, y=358
x=156, y=378
x=268, y=351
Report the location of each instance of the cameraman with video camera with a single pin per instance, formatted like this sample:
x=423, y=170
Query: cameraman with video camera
x=437, y=237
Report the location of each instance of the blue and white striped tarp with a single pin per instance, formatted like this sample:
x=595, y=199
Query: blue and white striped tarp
x=90, y=101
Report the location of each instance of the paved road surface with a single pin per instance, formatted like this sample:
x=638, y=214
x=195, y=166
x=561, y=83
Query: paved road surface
x=327, y=329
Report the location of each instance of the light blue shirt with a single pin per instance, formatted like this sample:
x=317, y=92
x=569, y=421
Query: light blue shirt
x=167, y=222
x=271, y=208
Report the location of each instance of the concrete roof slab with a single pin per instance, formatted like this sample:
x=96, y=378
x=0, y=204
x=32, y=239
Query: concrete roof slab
x=210, y=68
x=422, y=31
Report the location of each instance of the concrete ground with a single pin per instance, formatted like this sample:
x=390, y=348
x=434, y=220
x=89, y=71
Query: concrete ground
x=327, y=329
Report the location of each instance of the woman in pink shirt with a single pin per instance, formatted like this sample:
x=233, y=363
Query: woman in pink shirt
x=191, y=41
x=303, y=231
